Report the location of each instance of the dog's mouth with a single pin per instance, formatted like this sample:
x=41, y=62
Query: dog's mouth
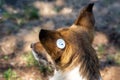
x=41, y=55
x=40, y=58
x=45, y=64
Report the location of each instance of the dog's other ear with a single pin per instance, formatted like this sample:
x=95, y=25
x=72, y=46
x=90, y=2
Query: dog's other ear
x=86, y=18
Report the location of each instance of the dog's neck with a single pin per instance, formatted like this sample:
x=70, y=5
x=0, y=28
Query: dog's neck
x=69, y=75
x=82, y=67
x=73, y=74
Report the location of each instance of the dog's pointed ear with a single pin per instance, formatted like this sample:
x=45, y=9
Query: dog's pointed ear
x=86, y=17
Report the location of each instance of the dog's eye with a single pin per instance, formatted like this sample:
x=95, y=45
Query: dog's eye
x=60, y=43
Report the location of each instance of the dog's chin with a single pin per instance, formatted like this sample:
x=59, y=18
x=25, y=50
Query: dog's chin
x=40, y=58
x=43, y=59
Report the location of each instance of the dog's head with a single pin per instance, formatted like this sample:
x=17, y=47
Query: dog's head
x=67, y=47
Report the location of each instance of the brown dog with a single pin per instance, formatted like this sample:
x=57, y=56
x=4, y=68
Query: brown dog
x=70, y=49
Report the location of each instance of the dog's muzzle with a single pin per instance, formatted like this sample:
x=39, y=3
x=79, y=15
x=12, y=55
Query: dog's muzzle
x=41, y=56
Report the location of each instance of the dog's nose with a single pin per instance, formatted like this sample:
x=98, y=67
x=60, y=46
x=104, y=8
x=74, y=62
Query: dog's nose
x=32, y=45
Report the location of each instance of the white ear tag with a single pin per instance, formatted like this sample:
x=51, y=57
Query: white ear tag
x=60, y=43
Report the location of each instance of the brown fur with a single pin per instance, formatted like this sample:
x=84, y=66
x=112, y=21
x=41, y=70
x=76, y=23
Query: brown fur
x=78, y=49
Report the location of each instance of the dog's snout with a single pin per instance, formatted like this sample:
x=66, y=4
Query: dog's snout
x=32, y=45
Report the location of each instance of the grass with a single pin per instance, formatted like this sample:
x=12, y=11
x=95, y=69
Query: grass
x=6, y=15
x=57, y=9
x=28, y=13
x=101, y=50
x=31, y=13
x=10, y=74
x=117, y=58
x=118, y=27
x=2, y=3
x=108, y=2
x=109, y=56
x=29, y=59
x=5, y=57
x=114, y=57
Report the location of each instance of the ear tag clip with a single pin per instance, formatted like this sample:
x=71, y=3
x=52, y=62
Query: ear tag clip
x=60, y=43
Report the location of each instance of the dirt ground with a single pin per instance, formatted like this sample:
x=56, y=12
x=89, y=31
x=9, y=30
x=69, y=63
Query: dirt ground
x=21, y=20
